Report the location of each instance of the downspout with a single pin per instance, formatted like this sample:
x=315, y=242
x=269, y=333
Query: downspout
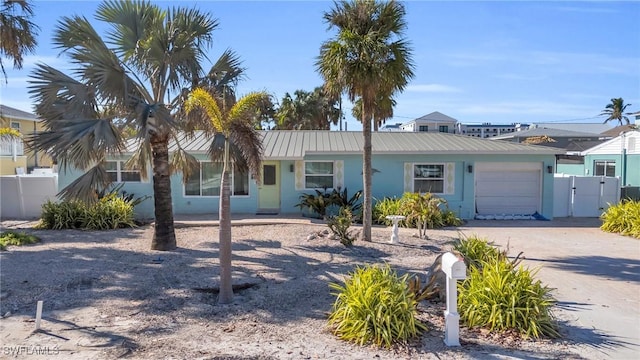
x=623, y=159
x=35, y=150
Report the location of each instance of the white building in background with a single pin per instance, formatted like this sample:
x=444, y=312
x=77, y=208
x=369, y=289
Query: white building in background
x=487, y=130
x=433, y=122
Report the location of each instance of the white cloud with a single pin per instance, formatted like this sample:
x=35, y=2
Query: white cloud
x=433, y=88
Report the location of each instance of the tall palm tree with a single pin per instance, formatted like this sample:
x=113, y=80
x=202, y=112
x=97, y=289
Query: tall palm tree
x=615, y=111
x=136, y=75
x=383, y=110
x=235, y=138
x=17, y=32
x=368, y=57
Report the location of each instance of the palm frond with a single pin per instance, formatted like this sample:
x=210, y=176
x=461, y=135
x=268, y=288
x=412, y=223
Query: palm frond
x=86, y=187
x=200, y=98
x=183, y=162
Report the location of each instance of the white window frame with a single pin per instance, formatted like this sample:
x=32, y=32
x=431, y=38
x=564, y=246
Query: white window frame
x=606, y=163
x=232, y=185
x=443, y=178
x=15, y=125
x=332, y=175
x=120, y=169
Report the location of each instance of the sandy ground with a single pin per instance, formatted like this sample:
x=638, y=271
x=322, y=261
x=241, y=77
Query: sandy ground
x=107, y=296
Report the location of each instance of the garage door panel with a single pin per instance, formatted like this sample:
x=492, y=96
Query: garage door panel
x=512, y=188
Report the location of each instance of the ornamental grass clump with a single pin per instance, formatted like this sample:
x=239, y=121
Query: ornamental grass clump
x=623, y=218
x=11, y=237
x=375, y=306
x=500, y=295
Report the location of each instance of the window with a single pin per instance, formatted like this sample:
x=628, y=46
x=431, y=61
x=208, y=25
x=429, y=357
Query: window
x=604, y=168
x=206, y=180
x=318, y=174
x=15, y=125
x=118, y=173
x=428, y=178
x=423, y=128
x=443, y=128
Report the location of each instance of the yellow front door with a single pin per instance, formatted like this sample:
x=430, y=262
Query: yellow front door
x=269, y=188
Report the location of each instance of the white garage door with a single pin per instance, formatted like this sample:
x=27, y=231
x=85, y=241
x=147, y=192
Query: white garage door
x=508, y=188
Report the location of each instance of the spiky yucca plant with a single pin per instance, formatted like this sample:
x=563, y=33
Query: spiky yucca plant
x=623, y=218
x=375, y=305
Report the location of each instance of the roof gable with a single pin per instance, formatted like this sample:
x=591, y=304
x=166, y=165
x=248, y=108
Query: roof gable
x=614, y=146
x=436, y=116
x=13, y=113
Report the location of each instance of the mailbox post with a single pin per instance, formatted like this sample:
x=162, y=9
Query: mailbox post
x=454, y=269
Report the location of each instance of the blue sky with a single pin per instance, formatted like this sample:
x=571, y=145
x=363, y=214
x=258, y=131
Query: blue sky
x=476, y=61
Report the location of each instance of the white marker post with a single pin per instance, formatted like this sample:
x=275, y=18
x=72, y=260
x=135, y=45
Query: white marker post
x=455, y=269
x=38, y=314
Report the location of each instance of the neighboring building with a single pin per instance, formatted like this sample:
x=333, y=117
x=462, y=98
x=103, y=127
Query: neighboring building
x=619, y=157
x=475, y=176
x=433, y=122
x=391, y=127
x=557, y=138
x=594, y=128
x=13, y=156
x=487, y=130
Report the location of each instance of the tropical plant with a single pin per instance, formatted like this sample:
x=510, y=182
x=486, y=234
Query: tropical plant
x=367, y=59
x=235, y=138
x=622, y=218
x=615, y=111
x=500, y=297
x=375, y=306
x=322, y=202
x=421, y=211
x=340, y=224
x=314, y=110
x=137, y=76
x=17, y=32
x=111, y=211
x=11, y=237
x=477, y=251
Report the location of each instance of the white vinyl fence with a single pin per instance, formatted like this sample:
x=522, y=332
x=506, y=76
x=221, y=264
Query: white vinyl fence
x=584, y=196
x=22, y=196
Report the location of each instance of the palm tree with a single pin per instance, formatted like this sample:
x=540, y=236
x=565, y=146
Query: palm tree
x=315, y=110
x=367, y=58
x=138, y=77
x=383, y=110
x=17, y=32
x=235, y=138
x=615, y=111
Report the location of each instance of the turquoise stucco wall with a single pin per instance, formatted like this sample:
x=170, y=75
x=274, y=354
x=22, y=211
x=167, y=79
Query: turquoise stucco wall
x=632, y=175
x=570, y=169
x=387, y=182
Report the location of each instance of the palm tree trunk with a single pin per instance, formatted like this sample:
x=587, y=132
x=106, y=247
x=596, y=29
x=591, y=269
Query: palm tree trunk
x=366, y=173
x=164, y=237
x=226, y=286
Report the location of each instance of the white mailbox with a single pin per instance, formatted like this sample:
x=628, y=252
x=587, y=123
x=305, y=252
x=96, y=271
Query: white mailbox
x=455, y=269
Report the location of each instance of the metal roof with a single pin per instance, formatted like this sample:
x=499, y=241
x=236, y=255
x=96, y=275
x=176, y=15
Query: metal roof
x=13, y=113
x=296, y=144
x=545, y=131
x=435, y=116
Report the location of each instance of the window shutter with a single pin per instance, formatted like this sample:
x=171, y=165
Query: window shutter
x=338, y=173
x=449, y=178
x=299, y=174
x=408, y=177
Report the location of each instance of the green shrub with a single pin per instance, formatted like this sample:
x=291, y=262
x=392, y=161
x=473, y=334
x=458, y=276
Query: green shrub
x=499, y=297
x=422, y=211
x=623, y=218
x=340, y=224
x=477, y=250
x=321, y=202
x=375, y=306
x=10, y=237
x=111, y=211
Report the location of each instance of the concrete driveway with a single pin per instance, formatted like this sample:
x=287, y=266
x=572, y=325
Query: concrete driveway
x=596, y=276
